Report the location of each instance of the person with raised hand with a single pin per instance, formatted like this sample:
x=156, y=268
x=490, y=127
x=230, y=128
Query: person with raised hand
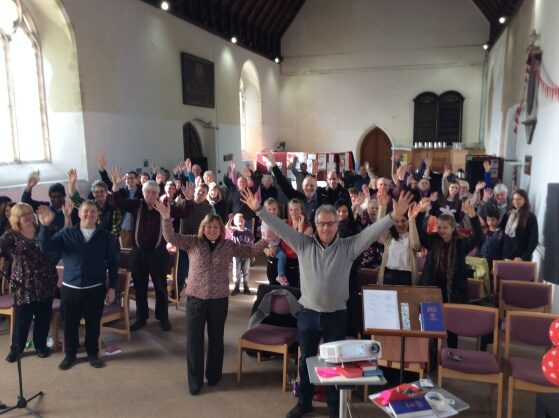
x=325, y=262
x=89, y=253
x=445, y=264
x=149, y=257
x=207, y=291
x=34, y=280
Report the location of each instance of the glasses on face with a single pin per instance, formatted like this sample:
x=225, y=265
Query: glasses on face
x=326, y=224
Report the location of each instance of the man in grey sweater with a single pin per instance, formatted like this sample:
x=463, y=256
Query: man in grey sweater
x=324, y=261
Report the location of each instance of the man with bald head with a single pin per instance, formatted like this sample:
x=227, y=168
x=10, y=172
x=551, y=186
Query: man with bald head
x=334, y=191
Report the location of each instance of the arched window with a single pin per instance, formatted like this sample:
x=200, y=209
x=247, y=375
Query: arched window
x=250, y=105
x=23, y=122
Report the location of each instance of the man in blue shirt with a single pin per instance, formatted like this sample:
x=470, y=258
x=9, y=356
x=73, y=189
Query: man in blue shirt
x=88, y=252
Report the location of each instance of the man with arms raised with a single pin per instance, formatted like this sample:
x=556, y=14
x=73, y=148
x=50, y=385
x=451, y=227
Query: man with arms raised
x=88, y=252
x=149, y=257
x=325, y=261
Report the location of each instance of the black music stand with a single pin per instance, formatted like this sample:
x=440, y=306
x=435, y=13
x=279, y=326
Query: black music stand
x=21, y=400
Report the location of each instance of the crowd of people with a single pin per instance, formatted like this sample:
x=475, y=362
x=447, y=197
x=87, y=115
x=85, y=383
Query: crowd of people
x=315, y=238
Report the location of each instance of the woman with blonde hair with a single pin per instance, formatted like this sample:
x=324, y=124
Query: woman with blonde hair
x=33, y=278
x=207, y=291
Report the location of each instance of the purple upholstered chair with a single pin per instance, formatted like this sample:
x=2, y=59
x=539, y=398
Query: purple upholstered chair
x=269, y=338
x=526, y=271
x=524, y=296
x=480, y=366
x=526, y=374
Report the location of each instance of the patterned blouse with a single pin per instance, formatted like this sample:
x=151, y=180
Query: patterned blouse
x=31, y=268
x=208, y=275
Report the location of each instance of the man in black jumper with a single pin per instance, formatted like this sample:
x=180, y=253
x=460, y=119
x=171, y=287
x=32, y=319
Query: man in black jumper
x=149, y=257
x=88, y=252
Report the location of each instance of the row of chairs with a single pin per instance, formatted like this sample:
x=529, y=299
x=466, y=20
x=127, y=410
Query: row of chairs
x=529, y=328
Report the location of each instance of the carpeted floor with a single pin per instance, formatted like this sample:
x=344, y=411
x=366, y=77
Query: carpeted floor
x=148, y=379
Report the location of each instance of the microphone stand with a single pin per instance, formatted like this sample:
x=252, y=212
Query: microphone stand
x=21, y=400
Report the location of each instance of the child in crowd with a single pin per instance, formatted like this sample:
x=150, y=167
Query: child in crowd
x=237, y=232
x=274, y=247
x=492, y=246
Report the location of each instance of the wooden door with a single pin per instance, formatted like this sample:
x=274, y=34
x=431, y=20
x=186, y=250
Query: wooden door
x=376, y=148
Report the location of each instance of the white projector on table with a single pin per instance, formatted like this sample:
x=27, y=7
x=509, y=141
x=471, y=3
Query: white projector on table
x=350, y=350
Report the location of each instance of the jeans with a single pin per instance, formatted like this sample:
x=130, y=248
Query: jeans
x=241, y=271
x=282, y=259
x=311, y=325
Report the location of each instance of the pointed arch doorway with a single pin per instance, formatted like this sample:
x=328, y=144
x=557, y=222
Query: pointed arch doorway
x=376, y=148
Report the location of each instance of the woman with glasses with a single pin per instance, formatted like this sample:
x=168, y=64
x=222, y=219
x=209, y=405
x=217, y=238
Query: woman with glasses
x=34, y=279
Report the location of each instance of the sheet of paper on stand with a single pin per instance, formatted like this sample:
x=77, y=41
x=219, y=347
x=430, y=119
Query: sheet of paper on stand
x=381, y=309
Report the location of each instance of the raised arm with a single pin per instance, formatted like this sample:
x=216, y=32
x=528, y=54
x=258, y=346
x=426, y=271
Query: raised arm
x=26, y=195
x=124, y=204
x=287, y=233
x=477, y=234
x=47, y=238
x=183, y=242
x=283, y=183
x=360, y=242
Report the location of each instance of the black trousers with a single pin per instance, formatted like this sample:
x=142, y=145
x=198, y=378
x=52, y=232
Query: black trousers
x=76, y=304
x=41, y=312
x=144, y=264
x=200, y=312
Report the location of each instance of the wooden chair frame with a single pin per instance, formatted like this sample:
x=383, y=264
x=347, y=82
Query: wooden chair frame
x=517, y=383
x=497, y=263
x=494, y=378
x=123, y=314
x=282, y=349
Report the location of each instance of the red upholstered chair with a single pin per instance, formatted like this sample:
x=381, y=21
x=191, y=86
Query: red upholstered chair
x=524, y=373
x=479, y=366
x=524, y=296
x=526, y=271
x=269, y=338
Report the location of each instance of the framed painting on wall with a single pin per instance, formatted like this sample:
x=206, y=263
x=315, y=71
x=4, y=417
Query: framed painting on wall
x=197, y=81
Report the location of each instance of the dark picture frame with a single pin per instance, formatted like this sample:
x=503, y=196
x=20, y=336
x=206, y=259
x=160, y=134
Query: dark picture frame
x=197, y=81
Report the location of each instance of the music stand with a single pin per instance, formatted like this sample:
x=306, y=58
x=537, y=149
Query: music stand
x=413, y=296
x=21, y=401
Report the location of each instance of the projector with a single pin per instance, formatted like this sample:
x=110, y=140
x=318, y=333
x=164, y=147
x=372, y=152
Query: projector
x=350, y=350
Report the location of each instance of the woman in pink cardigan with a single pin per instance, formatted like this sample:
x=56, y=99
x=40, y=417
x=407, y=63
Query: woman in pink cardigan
x=207, y=291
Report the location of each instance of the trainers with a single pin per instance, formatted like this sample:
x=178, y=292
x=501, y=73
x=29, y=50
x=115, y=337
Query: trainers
x=165, y=325
x=68, y=362
x=282, y=280
x=137, y=325
x=246, y=291
x=235, y=291
x=299, y=410
x=95, y=362
x=43, y=352
x=11, y=357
